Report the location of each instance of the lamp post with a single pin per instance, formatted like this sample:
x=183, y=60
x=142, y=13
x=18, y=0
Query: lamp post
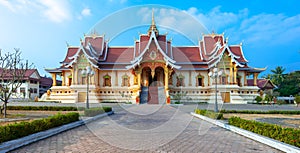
x=215, y=75
x=88, y=72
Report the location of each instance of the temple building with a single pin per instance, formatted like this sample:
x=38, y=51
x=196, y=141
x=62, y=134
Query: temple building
x=154, y=71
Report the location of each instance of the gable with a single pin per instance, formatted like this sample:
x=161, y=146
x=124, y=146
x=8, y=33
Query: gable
x=225, y=61
x=152, y=54
x=35, y=75
x=82, y=62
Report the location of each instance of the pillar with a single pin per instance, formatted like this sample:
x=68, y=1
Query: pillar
x=139, y=78
x=255, y=79
x=53, y=79
x=190, y=78
x=72, y=73
x=234, y=74
x=245, y=79
x=231, y=75
x=63, y=80
x=166, y=78
x=208, y=79
x=75, y=76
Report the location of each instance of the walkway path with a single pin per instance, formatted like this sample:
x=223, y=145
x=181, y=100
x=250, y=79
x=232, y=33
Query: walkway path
x=147, y=128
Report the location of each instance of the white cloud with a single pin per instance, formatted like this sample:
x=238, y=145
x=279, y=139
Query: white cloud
x=7, y=4
x=54, y=10
x=271, y=28
x=259, y=29
x=86, y=12
x=215, y=19
x=117, y=1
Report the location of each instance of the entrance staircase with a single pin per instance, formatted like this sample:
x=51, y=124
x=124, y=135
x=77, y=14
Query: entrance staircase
x=144, y=95
x=156, y=95
x=153, y=95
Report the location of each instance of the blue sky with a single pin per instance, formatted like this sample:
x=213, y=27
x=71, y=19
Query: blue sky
x=269, y=30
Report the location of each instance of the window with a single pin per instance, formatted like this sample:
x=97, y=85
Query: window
x=125, y=80
x=180, y=80
x=200, y=81
x=34, y=90
x=224, y=80
x=238, y=79
x=107, y=80
x=22, y=90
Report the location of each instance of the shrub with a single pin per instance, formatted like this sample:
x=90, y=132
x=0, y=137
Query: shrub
x=297, y=99
x=286, y=135
x=45, y=108
x=18, y=130
x=258, y=99
x=209, y=114
x=261, y=112
x=97, y=110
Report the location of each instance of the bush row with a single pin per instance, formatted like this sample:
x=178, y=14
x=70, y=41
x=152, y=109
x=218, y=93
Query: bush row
x=286, y=135
x=96, y=110
x=260, y=112
x=18, y=130
x=209, y=114
x=45, y=108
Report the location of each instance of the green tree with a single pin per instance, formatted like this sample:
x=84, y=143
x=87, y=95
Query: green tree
x=290, y=85
x=277, y=76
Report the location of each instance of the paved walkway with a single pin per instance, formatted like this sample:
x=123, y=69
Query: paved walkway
x=148, y=128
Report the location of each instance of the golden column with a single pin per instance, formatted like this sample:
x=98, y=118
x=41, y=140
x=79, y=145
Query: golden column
x=166, y=71
x=63, y=80
x=53, y=79
x=234, y=74
x=138, y=72
x=231, y=74
x=72, y=73
x=255, y=79
x=166, y=78
x=75, y=75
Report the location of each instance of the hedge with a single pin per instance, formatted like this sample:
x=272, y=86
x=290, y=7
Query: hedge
x=209, y=114
x=96, y=110
x=286, y=135
x=18, y=130
x=45, y=108
x=261, y=112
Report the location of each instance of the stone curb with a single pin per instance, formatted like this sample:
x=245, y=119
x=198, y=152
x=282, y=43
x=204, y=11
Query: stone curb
x=262, y=139
x=17, y=143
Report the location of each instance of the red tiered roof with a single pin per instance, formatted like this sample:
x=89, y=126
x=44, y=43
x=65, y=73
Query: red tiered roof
x=206, y=54
x=186, y=54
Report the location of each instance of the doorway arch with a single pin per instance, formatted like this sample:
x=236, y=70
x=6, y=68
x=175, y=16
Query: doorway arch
x=153, y=79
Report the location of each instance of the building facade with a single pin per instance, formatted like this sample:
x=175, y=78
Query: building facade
x=29, y=88
x=154, y=71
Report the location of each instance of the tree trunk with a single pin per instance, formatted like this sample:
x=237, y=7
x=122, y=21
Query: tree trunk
x=5, y=104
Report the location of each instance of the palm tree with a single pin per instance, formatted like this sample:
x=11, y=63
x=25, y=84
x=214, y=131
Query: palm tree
x=277, y=76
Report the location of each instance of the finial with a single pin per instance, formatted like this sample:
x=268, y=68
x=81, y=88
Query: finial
x=153, y=22
x=153, y=26
x=67, y=44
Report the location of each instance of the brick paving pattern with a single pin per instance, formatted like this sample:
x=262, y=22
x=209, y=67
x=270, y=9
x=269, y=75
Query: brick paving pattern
x=147, y=128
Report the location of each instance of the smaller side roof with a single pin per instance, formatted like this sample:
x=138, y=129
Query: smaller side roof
x=262, y=83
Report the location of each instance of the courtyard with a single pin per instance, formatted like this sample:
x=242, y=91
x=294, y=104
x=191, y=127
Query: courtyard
x=151, y=128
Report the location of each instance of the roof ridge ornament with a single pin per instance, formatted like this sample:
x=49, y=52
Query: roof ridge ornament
x=153, y=26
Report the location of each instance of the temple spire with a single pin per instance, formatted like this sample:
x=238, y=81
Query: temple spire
x=153, y=25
